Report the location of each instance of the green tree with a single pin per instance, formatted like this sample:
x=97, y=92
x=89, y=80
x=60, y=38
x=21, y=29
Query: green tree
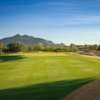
x=25, y=48
x=82, y=48
x=12, y=46
x=17, y=47
x=73, y=48
x=99, y=48
x=5, y=48
x=39, y=47
x=20, y=46
x=95, y=47
x=1, y=46
x=30, y=48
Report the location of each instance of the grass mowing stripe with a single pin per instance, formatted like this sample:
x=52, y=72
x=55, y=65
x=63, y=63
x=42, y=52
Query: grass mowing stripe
x=56, y=71
x=90, y=65
x=44, y=76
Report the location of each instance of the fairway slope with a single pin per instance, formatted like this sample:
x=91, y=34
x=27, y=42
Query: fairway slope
x=90, y=91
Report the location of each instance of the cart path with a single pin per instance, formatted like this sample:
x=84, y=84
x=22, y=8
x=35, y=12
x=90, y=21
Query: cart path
x=90, y=91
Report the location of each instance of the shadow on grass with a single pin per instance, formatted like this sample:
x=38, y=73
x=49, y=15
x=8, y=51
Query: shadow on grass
x=44, y=91
x=9, y=58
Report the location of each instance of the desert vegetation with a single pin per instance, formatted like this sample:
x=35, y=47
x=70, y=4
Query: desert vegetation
x=19, y=47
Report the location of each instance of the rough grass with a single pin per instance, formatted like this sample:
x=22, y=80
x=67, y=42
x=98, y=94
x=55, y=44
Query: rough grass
x=44, y=76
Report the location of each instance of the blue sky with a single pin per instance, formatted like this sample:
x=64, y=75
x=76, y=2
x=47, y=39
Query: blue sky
x=67, y=21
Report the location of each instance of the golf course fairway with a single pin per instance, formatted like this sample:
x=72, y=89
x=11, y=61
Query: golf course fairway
x=44, y=75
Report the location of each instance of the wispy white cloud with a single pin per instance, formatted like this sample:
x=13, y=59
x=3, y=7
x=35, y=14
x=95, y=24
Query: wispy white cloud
x=58, y=4
x=76, y=20
x=56, y=21
x=91, y=3
x=74, y=4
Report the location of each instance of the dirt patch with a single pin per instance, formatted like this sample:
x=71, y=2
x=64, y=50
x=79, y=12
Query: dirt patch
x=90, y=91
x=87, y=54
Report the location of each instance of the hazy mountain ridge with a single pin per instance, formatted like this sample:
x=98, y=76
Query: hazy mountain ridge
x=28, y=40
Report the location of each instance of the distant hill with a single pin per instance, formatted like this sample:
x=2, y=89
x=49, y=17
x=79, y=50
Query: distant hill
x=28, y=40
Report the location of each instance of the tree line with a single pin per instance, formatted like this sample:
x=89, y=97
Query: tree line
x=94, y=47
x=19, y=47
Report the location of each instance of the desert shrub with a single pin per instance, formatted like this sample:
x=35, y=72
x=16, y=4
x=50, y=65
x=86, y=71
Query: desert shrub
x=87, y=50
x=49, y=50
x=57, y=50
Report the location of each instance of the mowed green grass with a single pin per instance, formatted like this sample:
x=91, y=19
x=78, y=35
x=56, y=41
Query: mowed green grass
x=44, y=76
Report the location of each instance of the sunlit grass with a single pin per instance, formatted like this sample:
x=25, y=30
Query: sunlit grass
x=61, y=72
x=41, y=54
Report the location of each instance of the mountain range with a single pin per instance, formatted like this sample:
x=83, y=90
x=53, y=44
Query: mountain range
x=28, y=40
